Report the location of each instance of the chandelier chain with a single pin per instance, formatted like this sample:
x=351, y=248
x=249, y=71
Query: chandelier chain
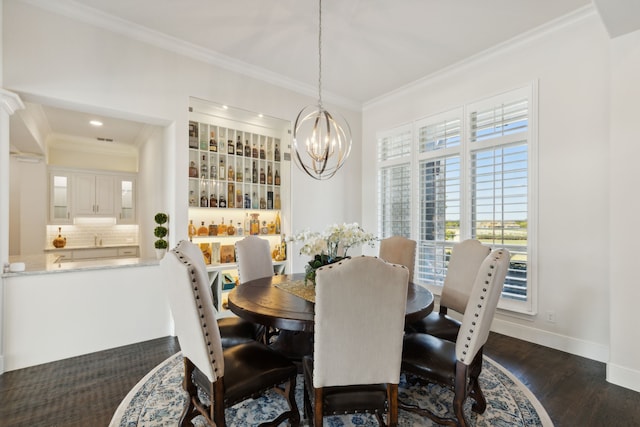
x=320, y=53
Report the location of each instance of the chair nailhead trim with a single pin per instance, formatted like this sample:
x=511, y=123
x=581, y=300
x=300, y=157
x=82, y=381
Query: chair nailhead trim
x=194, y=282
x=487, y=282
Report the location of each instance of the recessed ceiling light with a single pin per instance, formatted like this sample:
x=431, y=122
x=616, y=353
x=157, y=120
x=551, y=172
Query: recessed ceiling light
x=225, y=107
x=260, y=115
x=96, y=123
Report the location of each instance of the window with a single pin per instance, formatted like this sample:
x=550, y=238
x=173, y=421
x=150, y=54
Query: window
x=466, y=174
x=394, y=183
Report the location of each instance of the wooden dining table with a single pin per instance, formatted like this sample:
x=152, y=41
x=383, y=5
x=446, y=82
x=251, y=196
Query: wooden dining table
x=264, y=301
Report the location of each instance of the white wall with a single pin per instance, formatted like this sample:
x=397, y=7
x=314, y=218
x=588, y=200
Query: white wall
x=60, y=315
x=570, y=65
x=51, y=58
x=624, y=362
x=28, y=202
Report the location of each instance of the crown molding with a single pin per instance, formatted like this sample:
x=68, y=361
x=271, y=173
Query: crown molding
x=514, y=43
x=88, y=15
x=10, y=101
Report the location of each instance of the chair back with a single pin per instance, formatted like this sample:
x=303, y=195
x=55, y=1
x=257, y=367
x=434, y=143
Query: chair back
x=482, y=304
x=399, y=250
x=253, y=256
x=466, y=258
x=359, y=321
x=193, y=313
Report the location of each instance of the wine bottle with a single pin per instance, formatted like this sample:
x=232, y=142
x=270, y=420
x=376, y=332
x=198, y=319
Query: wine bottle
x=269, y=175
x=247, y=148
x=213, y=145
x=276, y=154
x=262, y=176
x=239, y=148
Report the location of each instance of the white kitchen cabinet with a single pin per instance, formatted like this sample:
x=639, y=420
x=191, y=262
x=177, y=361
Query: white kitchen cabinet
x=94, y=195
x=126, y=200
x=60, y=188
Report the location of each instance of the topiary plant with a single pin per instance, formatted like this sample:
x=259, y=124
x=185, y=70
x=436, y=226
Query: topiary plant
x=161, y=231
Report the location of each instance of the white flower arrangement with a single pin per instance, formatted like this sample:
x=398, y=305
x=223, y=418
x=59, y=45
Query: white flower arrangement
x=332, y=244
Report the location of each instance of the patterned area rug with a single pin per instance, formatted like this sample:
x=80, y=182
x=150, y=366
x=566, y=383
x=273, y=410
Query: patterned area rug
x=158, y=400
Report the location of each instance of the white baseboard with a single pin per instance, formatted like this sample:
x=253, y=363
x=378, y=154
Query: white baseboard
x=624, y=377
x=588, y=349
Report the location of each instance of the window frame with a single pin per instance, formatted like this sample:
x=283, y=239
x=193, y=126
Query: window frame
x=465, y=150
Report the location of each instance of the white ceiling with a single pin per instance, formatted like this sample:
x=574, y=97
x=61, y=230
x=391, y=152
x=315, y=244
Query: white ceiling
x=369, y=47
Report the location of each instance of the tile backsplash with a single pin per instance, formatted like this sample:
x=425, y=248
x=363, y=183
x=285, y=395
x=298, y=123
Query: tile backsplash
x=87, y=235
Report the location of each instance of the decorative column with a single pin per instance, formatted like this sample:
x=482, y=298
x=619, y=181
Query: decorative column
x=9, y=104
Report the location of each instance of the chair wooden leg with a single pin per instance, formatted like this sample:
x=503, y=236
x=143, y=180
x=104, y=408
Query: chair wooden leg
x=218, y=403
x=189, y=411
x=392, y=401
x=318, y=407
x=480, y=403
x=460, y=393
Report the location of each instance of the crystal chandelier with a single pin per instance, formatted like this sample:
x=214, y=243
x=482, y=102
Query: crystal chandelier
x=321, y=140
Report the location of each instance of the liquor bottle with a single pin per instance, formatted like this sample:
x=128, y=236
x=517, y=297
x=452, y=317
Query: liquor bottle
x=254, y=173
x=213, y=201
x=230, y=197
x=283, y=247
x=239, y=148
x=193, y=170
x=269, y=175
x=262, y=176
x=247, y=175
x=221, y=170
x=276, y=202
x=203, y=167
x=272, y=227
x=231, y=229
x=231, y=147
x=204, y=201
x=213, y=144
x=214, y=172
x=263, y=203
x=213, y=229
x=254, y=201
x=203, y=230
x=276, y=153
x=239, y=198
x=254, y=151
x=193, y=135
x=255, y=225
x=222, y=201
x=247, y=222
x=192, y=229
x=262, y=152
x=247, y=148
x=222, y=228
x=232, y=177
x=269, y=199
x=239, y=175
x=247, y=201
x=278, y=224
x=277, y=177
x=239, y=229
x=264, y=229
x=192, y=199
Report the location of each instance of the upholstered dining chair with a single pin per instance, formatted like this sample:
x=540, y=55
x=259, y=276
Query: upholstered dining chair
x=226, y=376
x=466, y=258
x=253, y=256
x=399, y=250
x=353, y=369
x=233, y=330
x=457, y=365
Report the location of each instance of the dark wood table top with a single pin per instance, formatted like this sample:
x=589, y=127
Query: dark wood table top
x=259, y=301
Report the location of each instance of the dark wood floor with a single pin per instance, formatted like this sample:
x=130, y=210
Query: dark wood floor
x=86, y=390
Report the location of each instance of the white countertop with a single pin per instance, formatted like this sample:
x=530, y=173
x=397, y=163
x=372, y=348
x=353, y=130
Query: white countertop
x=43, y=264
x=71, y=248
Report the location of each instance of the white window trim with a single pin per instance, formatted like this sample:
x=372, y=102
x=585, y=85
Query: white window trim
x=530, y=91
